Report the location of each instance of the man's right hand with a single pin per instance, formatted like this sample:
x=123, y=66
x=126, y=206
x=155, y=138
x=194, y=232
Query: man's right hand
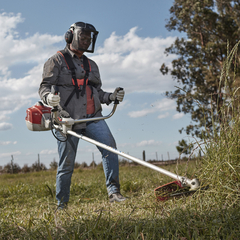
x=53, y=100
x=118, y=94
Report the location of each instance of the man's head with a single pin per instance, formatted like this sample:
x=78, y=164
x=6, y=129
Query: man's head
x=82, y=37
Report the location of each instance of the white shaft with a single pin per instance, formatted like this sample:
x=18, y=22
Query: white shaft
x=146, y=164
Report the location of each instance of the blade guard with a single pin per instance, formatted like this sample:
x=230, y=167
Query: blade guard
x=38, y=117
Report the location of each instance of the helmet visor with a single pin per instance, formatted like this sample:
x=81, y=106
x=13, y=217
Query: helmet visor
x=84, y=39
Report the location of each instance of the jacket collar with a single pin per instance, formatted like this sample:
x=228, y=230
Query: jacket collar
x=73, y=55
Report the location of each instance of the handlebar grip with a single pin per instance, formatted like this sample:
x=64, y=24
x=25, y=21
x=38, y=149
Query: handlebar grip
x=117, y=101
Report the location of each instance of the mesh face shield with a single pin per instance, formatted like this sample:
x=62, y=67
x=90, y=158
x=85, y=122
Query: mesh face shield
x=84, y=37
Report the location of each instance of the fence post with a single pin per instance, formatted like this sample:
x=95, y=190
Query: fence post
x=38, y=167
x=12, y=164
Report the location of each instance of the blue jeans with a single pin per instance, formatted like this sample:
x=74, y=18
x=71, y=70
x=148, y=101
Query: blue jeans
x=100, y=132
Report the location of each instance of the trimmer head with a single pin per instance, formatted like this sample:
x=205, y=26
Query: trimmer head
x=175, y=190
x=172, y=189
x=163, y=193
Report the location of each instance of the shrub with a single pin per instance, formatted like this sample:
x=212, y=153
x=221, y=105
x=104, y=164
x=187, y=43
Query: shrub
x=53, y=165
x=38, y=167
x=84, y=165
x=77, y=165
x=11, y=168
x=26, y=168
x=93, y=164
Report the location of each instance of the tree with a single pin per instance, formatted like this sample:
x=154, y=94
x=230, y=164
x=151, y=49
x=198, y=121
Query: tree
x=184, y=148
x=11, y=168
x=212, y=29
x=77, y=165
x=26, y=168
x=93, y=164
x=38, y=167
x=84, y=165
x=53, y=165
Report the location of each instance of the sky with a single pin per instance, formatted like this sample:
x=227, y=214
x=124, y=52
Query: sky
x=129, y=53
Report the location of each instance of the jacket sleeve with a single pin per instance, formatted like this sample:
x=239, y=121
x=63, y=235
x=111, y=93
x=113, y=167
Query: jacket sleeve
x=50, y=75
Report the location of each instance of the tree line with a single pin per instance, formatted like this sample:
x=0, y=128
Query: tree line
x=37, y=166
x=13, y=168
x=206, y=69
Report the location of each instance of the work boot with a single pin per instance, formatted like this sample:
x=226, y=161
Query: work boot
x=62, y=206
x=116, y=197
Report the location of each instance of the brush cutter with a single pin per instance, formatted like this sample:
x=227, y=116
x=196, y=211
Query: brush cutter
x=42, y=118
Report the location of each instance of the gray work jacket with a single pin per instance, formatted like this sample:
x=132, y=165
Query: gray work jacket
x=56, y=72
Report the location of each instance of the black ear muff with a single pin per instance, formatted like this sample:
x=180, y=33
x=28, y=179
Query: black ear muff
x=69, y=36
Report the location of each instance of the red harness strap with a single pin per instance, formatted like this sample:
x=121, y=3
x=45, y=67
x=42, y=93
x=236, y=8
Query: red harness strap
x=80, y=82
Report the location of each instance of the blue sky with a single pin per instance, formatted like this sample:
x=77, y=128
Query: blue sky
x=129, y=52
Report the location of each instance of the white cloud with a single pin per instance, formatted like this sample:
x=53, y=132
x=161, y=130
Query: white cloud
x=178, y=115
x=7, y=143
x=159, y=106
x=134, y=62
x=48, y=152
x=2, y=155
x=5, y=126
x=148, y=143
x=141, y=113
x=3, y=118
x=36, y=48
x=163, y=115
x=18, y=92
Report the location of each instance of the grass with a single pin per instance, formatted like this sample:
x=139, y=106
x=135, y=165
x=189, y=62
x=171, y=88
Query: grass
x=28, y=208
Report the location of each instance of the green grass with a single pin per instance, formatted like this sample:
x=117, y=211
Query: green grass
x=28, y=208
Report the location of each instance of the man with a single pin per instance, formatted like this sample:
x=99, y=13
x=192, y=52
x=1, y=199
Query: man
x=80, y=96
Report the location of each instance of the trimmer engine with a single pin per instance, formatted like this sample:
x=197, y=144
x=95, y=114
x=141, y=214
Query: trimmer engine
x=38, y=117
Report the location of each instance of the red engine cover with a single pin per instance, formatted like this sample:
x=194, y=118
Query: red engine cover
x=34, y=118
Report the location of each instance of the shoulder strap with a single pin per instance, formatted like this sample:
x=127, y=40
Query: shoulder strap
x=87, y=70
x=71, y=66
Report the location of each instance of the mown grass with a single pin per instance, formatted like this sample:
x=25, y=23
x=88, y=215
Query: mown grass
x=28, y=208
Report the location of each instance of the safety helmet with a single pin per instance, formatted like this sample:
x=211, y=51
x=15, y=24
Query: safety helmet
x=82, y=36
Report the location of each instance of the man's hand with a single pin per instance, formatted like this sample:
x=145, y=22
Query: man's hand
x=117, y=94
x=53, y=100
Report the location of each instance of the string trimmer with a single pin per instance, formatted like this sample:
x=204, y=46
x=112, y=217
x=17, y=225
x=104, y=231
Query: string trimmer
x=43, y=118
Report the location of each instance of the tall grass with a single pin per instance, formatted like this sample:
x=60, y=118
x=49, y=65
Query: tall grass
x=221, y=165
